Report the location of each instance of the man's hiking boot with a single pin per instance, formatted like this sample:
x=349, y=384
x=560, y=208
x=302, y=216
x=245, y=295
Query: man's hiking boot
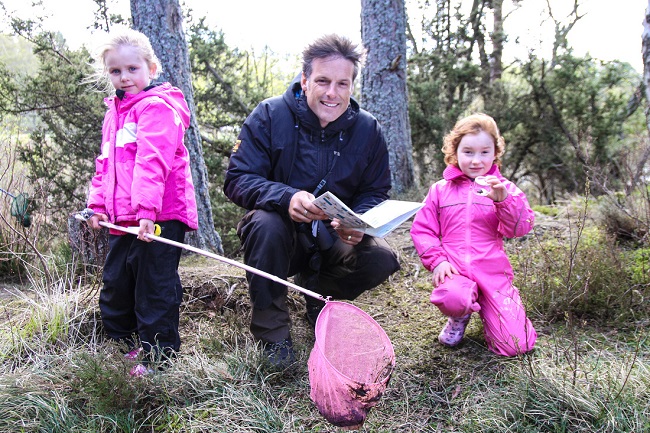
x=454, y=330
x=280, y=354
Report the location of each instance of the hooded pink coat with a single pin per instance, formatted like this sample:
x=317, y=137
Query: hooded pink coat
x=144, y=168
x=467, y=230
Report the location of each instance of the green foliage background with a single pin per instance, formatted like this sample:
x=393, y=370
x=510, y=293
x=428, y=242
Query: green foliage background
x=564, y=120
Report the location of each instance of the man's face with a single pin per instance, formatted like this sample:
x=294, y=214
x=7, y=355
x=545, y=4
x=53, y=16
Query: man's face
x=329, y=87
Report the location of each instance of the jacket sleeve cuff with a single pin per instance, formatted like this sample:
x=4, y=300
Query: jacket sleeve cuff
x=436, y=262
x=505, y=203
x=98, y=209
x=146, y=214
x=285, y=201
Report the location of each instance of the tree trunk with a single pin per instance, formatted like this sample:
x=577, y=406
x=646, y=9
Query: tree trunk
x=645, y=50
x=383, y=88
x=162, y=22
x=498, y=39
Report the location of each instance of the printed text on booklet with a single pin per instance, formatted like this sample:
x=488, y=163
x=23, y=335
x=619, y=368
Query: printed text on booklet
x=378, y=221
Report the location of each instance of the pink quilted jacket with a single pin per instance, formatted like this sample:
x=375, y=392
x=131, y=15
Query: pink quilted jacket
x=144, y=168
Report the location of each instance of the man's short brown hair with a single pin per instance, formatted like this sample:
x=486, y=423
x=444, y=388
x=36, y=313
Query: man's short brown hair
x=334, y=46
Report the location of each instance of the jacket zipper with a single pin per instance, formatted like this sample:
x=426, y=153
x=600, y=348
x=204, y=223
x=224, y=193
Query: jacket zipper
x=468, y=232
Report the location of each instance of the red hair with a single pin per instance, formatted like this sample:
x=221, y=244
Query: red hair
x=473, y=125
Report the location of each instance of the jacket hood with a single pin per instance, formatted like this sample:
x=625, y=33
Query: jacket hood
x=453, y=173
x=168, y=93
x=297, y=102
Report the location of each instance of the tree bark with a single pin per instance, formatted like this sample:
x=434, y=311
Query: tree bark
x=498, y=39
x=645, y=50
x=162, y=22
x=383, y=89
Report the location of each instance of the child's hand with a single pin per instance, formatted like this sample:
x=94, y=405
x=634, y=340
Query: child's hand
x=94, y=220
x=442, y=271
x=146, y=227
x=498, y=191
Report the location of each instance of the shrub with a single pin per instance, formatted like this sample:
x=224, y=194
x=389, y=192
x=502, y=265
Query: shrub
x=578, y=271
x=626, y=216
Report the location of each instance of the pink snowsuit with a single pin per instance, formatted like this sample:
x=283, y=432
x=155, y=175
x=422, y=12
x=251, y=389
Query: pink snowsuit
x=467, y=230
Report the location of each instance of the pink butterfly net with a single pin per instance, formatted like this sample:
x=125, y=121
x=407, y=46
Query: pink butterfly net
x=350, y=364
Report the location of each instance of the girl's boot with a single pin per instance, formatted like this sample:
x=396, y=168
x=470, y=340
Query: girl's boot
x=454, y=330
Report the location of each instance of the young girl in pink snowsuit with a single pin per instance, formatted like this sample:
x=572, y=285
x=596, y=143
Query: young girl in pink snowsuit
x=459, y=233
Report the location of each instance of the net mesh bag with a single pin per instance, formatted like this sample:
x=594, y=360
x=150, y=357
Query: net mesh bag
x=18, y=209
x=350, y=364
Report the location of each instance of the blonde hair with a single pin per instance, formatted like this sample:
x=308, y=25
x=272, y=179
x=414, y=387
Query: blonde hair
x=473, y=125
x=122, y=36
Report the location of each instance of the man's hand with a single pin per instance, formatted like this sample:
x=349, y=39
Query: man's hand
x=302, y=210
x=348, y=236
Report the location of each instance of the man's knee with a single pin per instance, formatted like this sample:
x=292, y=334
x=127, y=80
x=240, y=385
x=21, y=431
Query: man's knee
x=262, y=228
x=381, y=261
x=367, y=268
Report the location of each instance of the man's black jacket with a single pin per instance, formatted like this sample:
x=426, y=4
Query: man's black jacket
x=282, y=149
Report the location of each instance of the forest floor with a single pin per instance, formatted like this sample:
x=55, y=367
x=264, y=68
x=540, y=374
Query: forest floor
x=72, y=379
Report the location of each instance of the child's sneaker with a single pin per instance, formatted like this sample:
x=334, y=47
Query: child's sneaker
x=133, y=355
x=453, y=331
x=140, y=370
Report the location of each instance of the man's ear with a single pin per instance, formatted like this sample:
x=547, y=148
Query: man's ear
x=303, y=82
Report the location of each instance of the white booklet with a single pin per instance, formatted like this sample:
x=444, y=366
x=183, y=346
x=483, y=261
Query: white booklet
x=378, y=221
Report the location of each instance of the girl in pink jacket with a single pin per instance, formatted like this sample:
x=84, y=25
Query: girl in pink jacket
x=459, y=233
x=142, y=177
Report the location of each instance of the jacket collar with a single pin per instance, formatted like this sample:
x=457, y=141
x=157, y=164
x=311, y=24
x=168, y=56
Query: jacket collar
x=453, y=173
x=121, y=93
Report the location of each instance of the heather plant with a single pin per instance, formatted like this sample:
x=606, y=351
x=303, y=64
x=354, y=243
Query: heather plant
x=626, y=216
